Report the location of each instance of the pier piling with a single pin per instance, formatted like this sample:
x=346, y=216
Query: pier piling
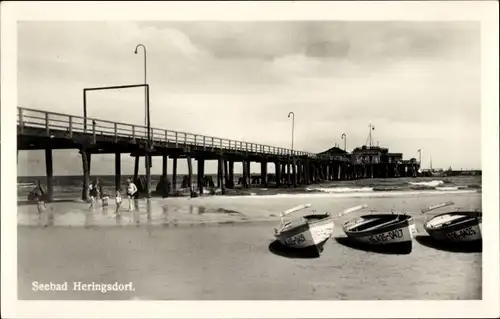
x=190, y=176
x=263, y=173
x=136, y=169
x=200, y=174
x=294, y=171
x=174, y=174
x=50, y=174
x=118, y=170
x=224, y=179
x=231, y=174
x=86, y=173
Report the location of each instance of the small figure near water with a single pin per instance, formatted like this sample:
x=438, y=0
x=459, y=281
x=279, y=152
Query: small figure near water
x=118, y=200
x=38, y=195
x=132, y=194
x=93, y=193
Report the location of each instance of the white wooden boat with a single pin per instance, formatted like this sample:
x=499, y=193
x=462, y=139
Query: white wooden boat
x=382, y=229
x=458, y=226
x=309, y=231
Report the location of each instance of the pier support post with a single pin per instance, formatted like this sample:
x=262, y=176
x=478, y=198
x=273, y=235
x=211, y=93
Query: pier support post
x=288, y=173
x=86, y=173
x=263, y=173
x=231, y=174
x=118, y=170
x=174, y=174
x=249, y=173
x=245, y=174
x=200, y=175
x=49, y=167
x=190, y=175
x=220, y=181
x=164, y=161
x=136, y=169
x=224, y=179
x=299, y=173
x=223, y=175
x=164, y=187
x=306, y=172
x=294, y=172
x=277, y=173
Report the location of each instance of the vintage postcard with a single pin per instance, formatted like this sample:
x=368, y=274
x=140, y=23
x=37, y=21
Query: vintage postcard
x=250, y=159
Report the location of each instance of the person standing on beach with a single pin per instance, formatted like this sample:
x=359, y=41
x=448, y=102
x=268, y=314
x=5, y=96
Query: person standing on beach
x=93, y=193
x=131, y=193
x=38, y=196
x=118, y=199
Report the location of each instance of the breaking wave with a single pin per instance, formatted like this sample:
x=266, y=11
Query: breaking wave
x=428, y=184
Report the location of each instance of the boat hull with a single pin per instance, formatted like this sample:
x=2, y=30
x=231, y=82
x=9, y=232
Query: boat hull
x=398, y=232
x=455, y=227
x=310, y=234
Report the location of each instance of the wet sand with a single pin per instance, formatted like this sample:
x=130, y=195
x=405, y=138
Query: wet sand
x=210, y=261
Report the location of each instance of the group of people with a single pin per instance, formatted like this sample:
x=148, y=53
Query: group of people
x=96, y=192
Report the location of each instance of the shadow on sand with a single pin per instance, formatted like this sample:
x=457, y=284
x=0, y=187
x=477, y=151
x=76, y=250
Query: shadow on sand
x=393, y=249
x=464, y=247
x=278, y=249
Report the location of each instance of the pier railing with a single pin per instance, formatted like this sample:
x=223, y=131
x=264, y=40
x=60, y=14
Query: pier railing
x=51, y=121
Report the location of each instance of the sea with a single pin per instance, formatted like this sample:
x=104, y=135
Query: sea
x=70, y=186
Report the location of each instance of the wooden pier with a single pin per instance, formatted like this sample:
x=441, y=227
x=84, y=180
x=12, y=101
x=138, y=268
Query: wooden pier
x=39, y=130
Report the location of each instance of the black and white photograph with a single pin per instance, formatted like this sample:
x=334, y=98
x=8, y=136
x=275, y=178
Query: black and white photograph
x=248, y=152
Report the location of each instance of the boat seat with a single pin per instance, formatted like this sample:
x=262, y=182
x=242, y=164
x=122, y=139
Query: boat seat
x=384, y=224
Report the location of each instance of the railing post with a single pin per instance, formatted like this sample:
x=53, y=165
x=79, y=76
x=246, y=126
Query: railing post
x=133, y=132
x=116, y=132
x=47, y=123
x=220, y=144
x=93, y=130
x=185, y=139
x=176, y=141
x=212, y=143
x=166, y=136
x=70, y=126
x=204, y=147
x=21, y=123
x=152, y=137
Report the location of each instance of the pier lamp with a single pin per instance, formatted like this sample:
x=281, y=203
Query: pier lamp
x=147, y=120
x=145, y=79
x=293, y=125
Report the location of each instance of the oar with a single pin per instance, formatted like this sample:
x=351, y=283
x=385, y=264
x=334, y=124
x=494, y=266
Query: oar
x=352, y=209
x=428, y=209
x=292, y=210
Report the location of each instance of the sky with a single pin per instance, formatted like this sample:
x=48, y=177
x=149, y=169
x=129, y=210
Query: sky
x=418, y=83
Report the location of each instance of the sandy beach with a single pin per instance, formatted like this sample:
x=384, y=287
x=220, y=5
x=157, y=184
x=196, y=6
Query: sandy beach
x=213, y=248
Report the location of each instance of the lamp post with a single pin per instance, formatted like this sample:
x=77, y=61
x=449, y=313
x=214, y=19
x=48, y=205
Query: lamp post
x=344, y=137
x=145, y=79
x=147, y=121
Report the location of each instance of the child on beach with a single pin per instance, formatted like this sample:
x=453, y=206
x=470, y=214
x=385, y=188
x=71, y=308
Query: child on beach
x=132, y=194
x=118, y=200
x=93, y=193
x=38, y=196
